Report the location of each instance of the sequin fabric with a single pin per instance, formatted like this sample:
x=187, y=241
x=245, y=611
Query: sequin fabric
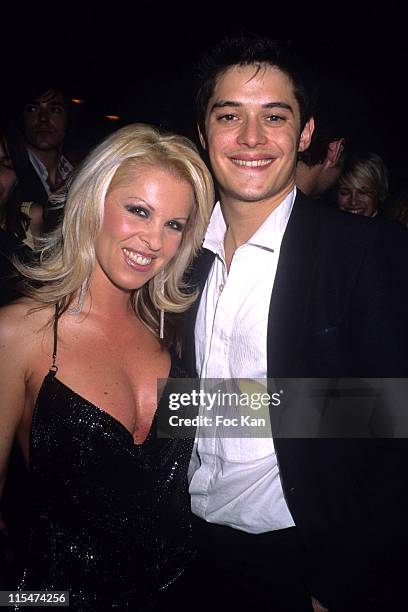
x=112, y=519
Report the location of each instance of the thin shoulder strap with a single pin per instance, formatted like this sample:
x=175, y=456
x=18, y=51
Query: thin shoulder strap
x=54, y=366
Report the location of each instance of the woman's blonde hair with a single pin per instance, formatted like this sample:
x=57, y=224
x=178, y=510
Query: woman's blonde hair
x=67, y=256
x=366, y=170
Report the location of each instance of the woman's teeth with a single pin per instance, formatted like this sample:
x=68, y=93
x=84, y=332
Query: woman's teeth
x=141, y=260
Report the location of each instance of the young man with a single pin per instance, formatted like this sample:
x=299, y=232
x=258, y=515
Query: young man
x=289, y=288
x=45, y=180
x=45, y=125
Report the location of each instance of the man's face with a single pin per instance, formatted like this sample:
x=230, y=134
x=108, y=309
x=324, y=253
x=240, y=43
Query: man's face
x=45, y=121
x=326, y=179
x=253, y=133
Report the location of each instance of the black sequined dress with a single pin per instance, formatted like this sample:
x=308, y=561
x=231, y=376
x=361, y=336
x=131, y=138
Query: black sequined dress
x=112, y=518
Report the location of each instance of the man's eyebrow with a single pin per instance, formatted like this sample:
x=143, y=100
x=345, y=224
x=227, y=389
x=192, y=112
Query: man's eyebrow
x=37, y=102
x=283, y=105
x=234, y=104
x=224, y=103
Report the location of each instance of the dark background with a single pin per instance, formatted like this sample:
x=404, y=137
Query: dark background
x=138, y=60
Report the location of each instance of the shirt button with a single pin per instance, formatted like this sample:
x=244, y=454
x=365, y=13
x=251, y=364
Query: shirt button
x=221, y=287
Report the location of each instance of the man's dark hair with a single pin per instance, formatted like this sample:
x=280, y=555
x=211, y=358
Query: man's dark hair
x=38, y=88
x=42, y=87
x=323, y=135
x=244, y=50
x=331, y=113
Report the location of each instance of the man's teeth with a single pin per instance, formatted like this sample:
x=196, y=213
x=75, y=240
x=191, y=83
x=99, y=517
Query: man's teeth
x=139, y=259
x=254, y=163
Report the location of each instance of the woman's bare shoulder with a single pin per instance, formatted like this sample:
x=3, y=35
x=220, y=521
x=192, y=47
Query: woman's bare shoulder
x=22, y=318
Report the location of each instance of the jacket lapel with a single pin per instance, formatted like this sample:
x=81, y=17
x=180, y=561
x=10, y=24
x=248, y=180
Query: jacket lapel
x=291, y=291
x=196, y=280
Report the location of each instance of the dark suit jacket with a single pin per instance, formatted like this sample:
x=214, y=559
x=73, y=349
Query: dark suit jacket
x=338, y=309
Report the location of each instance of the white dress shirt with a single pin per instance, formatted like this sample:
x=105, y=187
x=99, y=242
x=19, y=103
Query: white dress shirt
x=236, y=481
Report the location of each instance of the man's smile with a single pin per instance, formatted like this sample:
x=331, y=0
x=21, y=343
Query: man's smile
x=252, y=163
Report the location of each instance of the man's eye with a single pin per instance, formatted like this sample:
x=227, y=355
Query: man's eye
x=275, y=118
x=56, y=110
x=227, y=117
x=31, y=108
x=137, y=210
x=344, y=192
x=176, y=225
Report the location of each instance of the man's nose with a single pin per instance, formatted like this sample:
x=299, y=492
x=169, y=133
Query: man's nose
x=43, y=114
x=252, y=133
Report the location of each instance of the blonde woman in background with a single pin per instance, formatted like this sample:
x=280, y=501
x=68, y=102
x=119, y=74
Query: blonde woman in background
x=363, y=185
x=81, y=356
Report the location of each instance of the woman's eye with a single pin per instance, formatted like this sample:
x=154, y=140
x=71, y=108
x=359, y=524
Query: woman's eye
x=137, y=210
x=176, y=225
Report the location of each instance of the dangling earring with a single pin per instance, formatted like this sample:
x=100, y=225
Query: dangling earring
x=75, y=310
x=161, y=330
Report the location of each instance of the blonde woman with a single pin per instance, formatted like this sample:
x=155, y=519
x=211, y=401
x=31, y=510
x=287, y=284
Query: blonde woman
x=81, y=356
x=363, y=185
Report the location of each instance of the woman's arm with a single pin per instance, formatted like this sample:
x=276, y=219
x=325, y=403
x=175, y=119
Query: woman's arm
x=12, y=380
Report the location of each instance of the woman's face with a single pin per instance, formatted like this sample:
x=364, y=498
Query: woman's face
x=359, y=200
x=7, y=175
x=143, y=224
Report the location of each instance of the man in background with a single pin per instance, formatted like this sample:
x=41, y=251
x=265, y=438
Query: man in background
x=321, y=164
x=45, y=126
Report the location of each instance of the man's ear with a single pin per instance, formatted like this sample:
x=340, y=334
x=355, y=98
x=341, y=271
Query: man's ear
x=306, y=135
x=334, y=152
x=202, y=138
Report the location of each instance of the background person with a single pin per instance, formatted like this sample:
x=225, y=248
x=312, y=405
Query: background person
x=397, y=210
x=320, y=165
x=111, y=519
x=45, y=119
x=363, y=185
x=21, y=221
x=7, y=175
